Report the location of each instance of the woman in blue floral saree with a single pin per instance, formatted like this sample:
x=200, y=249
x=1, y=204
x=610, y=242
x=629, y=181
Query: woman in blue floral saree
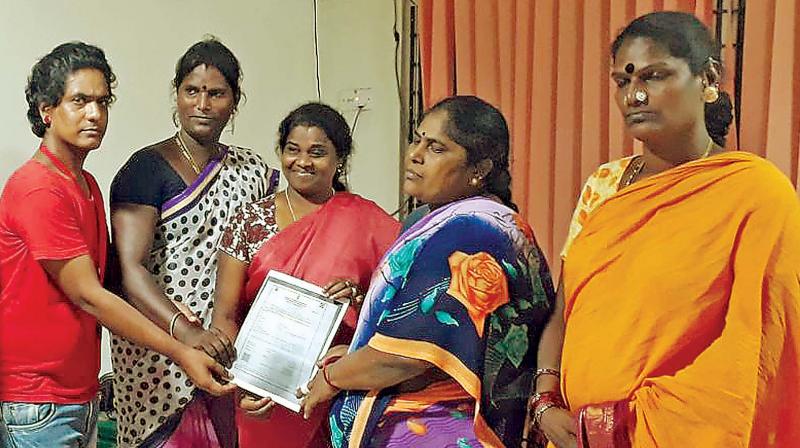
x=445, y=349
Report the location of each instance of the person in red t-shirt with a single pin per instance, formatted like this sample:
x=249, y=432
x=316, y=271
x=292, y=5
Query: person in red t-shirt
x=53, y=240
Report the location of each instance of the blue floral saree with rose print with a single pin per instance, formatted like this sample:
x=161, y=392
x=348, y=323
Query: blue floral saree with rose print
x=466, y=289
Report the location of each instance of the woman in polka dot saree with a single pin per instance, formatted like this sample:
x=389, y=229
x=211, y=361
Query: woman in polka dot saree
x=169, y=203
x=150, y=391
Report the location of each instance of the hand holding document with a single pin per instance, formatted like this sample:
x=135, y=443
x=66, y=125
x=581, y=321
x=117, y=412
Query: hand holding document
x=289, y=327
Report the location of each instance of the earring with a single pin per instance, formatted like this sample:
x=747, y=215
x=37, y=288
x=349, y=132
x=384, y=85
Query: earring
x=710, y=94
x=47, y=121
x=474, y=181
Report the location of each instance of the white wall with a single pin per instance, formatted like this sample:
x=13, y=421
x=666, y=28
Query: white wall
x=274, y=41
x=356, y=51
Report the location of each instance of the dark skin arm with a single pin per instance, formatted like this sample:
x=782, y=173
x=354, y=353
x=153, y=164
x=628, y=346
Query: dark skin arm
x=77, y=278
x=133, y=226
x=367, y=369
x=231, y=276
x=558, y=424
x=549, y=354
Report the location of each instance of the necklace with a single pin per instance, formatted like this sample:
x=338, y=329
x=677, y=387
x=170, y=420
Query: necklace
x=186, y=154
x=638, y=164
x=289, y=202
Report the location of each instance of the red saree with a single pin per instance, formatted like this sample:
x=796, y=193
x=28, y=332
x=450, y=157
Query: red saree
x=345, y=238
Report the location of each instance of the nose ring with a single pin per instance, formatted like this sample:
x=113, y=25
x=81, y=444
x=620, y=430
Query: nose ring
x=640, y=96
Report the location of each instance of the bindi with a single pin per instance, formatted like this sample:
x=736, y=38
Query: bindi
x=629, y=68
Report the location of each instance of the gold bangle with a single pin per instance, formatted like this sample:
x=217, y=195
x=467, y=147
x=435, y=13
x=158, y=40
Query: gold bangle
x=545, y=371
x=537, y=416
x=172, y=323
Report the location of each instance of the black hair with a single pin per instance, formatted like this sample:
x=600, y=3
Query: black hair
x=319, y=115
x=481, y=129
x=49, y=75
x=684, y=36
x=211, y=53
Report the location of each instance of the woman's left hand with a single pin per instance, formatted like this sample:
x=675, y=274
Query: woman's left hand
x=344, y=289
x=319, y=392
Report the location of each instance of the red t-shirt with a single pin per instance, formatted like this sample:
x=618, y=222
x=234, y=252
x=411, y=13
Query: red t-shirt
x=49, y=347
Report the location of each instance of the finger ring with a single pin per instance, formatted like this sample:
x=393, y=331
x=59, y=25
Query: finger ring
x=354, y=291
x=348, y=284
x=304, y=388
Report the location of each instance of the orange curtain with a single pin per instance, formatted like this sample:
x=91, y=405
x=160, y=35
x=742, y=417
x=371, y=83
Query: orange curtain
x=771, y=83
x=545, y=64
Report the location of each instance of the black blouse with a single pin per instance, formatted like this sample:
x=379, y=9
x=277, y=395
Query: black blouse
x=146, y=179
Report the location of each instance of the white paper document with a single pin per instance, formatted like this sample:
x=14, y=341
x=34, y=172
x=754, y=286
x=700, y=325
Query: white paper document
x=289, y=327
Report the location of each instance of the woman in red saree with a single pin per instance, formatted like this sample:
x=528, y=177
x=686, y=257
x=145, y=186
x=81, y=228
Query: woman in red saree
x=314, y=230
x=681, y=276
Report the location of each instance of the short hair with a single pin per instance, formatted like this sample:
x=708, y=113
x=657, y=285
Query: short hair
x=48, y=77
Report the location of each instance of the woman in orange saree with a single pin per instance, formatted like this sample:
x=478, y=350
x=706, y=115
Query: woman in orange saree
x=680, y=288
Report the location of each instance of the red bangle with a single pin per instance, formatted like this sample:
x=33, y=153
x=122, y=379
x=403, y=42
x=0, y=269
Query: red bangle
x=548, y=398
x=325, y=377
x=330, y=360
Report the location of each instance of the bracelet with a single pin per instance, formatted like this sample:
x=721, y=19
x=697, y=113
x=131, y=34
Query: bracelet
x=548, y=395
x=537, y=416
x=328, y=380
x=541, y=398
x=545, y=371
x=172, y=323
x=330, y=360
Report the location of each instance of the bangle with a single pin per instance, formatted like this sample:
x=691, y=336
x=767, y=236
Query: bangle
x=330, y=360
x=541, y=398
x=327, y=379
x=172, y=323
x=537, y=416
x=545, y=371
x=548, y=395
x=542, y=401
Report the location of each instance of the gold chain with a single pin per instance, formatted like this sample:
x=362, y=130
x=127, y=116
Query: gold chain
x=639, y=163
x=186, y=154
x=289, y=202
x=709, y=147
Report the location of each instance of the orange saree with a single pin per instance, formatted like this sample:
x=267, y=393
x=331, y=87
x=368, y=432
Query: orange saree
x=682, y=310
